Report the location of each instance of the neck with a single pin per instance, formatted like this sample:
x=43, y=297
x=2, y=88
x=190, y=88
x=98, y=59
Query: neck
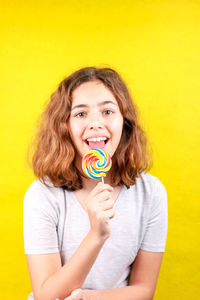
x=89, y=183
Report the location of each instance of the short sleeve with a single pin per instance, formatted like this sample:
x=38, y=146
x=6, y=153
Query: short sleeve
x=157, y=224
x=40, y=219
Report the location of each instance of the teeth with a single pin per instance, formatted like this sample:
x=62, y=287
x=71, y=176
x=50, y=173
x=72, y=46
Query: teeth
x=97, y=139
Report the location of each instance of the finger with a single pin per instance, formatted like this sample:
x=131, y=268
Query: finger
x=75, y=295
x=76, y=292
x=72, y=297
x=109, y=214
x=103, y=196
x=101, y=187
x=108, y=204
x=100, y=198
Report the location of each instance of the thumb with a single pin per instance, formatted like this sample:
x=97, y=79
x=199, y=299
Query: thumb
x=76, y=292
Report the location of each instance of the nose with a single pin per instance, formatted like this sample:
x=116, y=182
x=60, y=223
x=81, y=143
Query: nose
x=95, y=125
x=95, y=119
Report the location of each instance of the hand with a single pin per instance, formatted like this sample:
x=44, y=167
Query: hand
x=77, y=294
x=100, y=209
x=83, y=294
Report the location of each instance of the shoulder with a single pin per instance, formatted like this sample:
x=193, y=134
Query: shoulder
x=148, y=188
x=38, y=185
x=149, y=182
x=38, y=194
x=43, y=214
x=158, y=193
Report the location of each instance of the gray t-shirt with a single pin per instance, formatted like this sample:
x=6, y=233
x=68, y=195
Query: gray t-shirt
x=140, y=222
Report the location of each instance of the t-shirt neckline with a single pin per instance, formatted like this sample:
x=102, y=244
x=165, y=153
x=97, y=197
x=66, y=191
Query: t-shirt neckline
x=83, y=210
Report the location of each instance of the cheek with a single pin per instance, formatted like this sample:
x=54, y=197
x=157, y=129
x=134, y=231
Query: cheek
x=117, y=125
x=74, y=129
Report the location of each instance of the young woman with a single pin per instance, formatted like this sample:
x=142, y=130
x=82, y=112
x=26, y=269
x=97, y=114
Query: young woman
x=85, y=239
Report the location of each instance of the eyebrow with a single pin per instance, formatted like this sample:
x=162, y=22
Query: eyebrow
x=100, y=104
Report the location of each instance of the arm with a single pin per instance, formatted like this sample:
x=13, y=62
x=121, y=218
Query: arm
x=48, y=278
x=146, y=266
x=145, y=269
x=142, y=283
x=136, y=292
x=53, y=281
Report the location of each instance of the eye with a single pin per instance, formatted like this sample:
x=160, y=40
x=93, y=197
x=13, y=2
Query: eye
x=108, y=112
x=80, y=114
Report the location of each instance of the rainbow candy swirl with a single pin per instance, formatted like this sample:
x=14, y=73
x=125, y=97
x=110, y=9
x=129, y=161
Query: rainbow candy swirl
x=96, y=163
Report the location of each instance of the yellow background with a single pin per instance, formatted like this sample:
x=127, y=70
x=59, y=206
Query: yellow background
x=155, y=46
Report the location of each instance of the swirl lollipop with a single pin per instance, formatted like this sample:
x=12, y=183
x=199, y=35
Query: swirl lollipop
x=96, y=163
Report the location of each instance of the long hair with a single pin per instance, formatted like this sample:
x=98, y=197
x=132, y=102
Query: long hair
x=53, y=150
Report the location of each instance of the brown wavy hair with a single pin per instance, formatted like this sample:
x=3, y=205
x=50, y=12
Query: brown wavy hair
x=53, y=153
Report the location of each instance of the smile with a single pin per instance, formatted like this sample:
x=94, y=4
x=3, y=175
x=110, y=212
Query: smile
x=98, y=142
x=98, y=139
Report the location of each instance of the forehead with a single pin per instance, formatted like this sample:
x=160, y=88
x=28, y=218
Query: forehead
x=92, y=92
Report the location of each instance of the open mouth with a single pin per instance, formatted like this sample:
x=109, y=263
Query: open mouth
x=98, y=142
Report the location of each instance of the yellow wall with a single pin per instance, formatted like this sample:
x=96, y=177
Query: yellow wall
x=155, y=47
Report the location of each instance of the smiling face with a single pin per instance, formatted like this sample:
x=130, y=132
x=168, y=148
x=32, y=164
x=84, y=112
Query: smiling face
x=95, y=120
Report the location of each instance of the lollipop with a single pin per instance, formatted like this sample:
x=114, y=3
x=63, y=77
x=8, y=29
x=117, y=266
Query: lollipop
x=96, y=163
